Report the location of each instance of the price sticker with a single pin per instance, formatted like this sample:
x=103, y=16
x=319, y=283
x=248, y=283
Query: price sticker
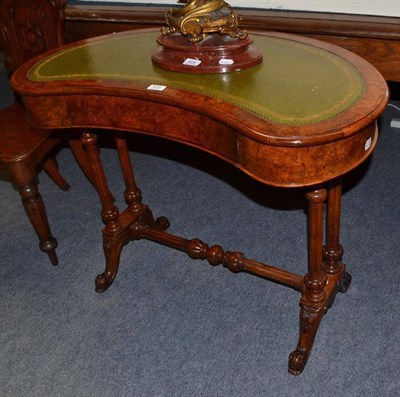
x=368, y=143
x=156, y=87
x=226, y=61
x=191, y=62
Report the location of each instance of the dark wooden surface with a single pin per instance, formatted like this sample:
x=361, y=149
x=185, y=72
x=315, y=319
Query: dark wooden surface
x=377, y=39
x=276, y=154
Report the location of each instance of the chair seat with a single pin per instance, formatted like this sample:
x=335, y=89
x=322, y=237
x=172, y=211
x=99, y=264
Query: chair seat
x=18, y=140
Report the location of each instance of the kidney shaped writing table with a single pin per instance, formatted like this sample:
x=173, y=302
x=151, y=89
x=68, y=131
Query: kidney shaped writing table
x=303, y=117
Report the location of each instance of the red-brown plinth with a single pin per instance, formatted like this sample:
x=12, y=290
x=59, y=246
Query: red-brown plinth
x=214, y=54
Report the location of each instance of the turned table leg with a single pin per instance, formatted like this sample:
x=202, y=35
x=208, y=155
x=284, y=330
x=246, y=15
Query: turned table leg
x=120, y=227
x=311, y=303
x=333, y=251
x=133, y=195
x=112, y=241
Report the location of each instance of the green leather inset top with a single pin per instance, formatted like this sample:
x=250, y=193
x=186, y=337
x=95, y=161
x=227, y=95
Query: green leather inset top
x=296, y=84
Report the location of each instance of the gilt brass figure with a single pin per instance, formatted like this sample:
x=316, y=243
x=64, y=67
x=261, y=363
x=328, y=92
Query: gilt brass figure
x=203, y=37
x=198, y=18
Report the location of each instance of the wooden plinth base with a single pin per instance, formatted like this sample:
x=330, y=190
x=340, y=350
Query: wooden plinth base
x=215, y=54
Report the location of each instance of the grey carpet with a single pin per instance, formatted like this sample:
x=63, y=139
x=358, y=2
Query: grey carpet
x=171, y=326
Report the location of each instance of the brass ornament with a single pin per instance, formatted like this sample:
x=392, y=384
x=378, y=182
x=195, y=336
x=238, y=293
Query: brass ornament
x=198, y=18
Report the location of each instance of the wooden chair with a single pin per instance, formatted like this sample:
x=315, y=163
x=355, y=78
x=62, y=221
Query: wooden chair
x=29, y=27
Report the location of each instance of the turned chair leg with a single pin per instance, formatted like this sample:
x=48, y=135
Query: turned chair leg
x=51, y=168
x=34, y=208
x=82, y=159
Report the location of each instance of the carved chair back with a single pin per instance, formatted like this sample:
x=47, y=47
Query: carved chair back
x=28, y=28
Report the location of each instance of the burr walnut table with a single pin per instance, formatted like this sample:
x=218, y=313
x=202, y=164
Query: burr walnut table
x=302, y=118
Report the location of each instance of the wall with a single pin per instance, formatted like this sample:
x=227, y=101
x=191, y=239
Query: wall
x=366, y=7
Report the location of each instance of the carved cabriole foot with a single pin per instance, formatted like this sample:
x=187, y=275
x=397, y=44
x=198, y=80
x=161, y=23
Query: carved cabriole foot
x=112, y=245
x=311, y=315
x=113, y=241
x=310, y=318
